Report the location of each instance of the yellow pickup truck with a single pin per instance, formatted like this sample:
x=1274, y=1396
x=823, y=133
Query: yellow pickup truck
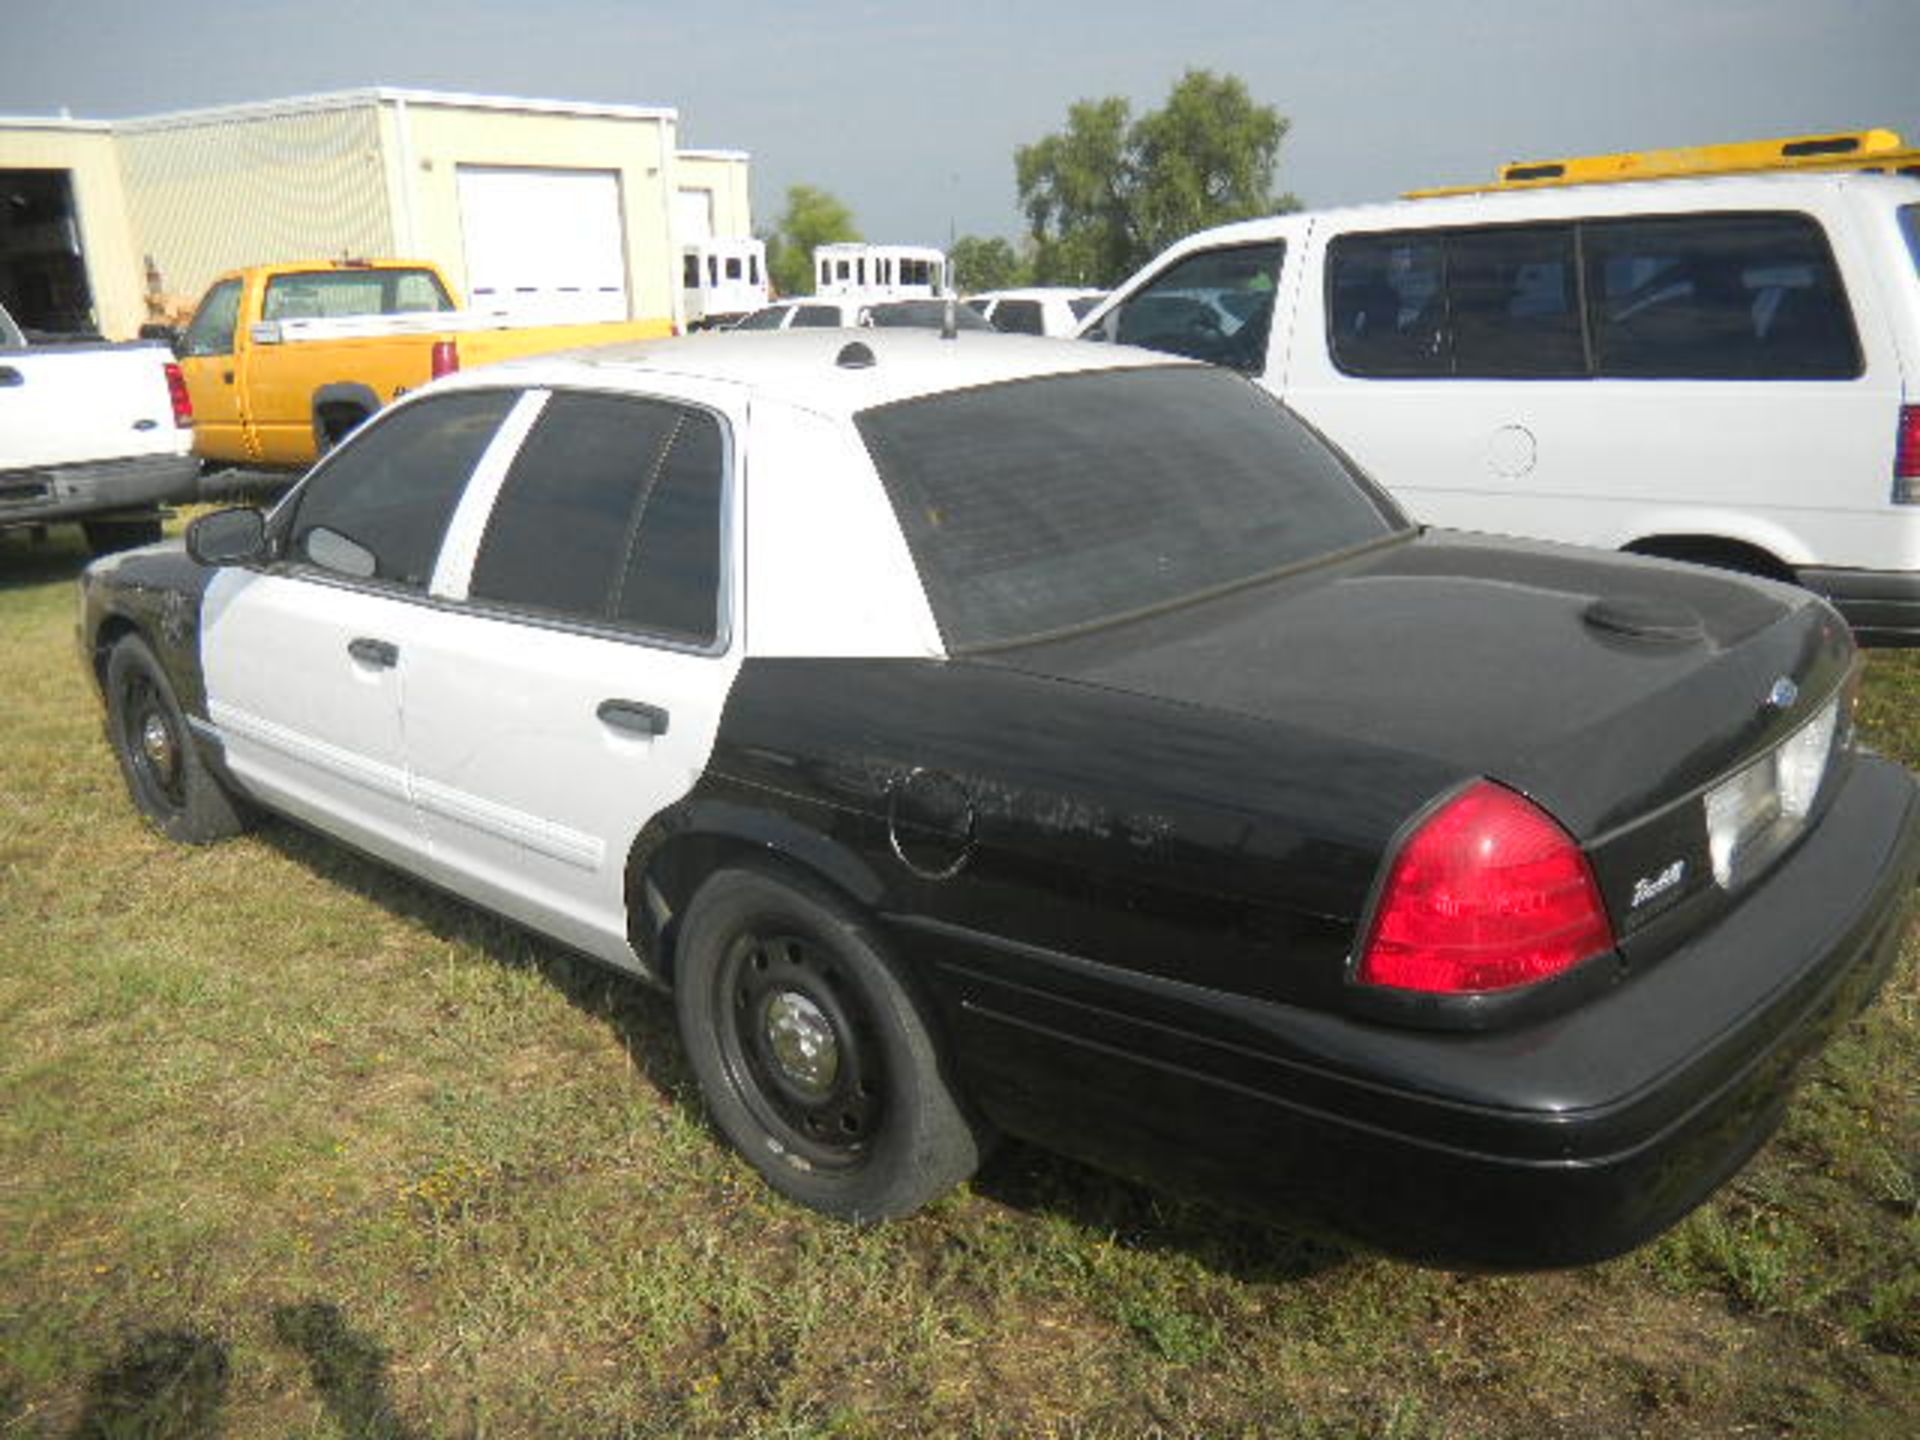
x=283, y=360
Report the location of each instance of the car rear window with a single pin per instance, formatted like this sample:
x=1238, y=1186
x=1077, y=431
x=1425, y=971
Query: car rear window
x=1019, y=317
x=1051, y=504
x=340, y=294
x=1910, y=222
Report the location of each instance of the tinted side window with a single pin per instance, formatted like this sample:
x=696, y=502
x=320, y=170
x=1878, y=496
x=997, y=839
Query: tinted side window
x=1019, y=317
x=611, y=513
x=378, y=509
x=211, y=332
x=671, y=585
x=1738, y=297
x=1215, y=306
x=1513, y=300
x=816, y=317
x=559, y=532
x=1386, y=313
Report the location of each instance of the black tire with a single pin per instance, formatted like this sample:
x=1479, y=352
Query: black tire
x=164, y=772
x=104, y=537
x=813, y=1057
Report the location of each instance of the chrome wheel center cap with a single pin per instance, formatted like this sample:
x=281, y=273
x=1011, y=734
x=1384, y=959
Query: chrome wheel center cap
x=802, y=1042
x=157, y=743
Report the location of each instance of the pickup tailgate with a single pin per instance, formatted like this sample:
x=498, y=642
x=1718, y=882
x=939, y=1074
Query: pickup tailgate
x=72, y=404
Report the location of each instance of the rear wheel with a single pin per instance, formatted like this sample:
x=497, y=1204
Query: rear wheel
x=168, y=780
x=104, y=537
x=814, y=1058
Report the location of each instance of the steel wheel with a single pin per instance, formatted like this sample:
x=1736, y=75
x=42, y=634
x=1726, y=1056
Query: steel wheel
x=814, y=1058
x=800, y=1048
x=168, y=780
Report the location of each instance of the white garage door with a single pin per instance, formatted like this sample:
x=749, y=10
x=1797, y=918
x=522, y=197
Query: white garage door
x=544, y=245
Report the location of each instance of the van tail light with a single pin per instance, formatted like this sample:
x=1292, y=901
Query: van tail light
x=182, y=401
x=1906, y=457
x=446, y=357
x=1488, y=893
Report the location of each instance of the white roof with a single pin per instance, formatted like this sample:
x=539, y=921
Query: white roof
x=1037, y=292
x=378, y=95
x=1650, y=196
x=802, y=367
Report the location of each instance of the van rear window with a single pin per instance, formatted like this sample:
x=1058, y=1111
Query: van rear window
x=1688, y=297
x=1910, y=222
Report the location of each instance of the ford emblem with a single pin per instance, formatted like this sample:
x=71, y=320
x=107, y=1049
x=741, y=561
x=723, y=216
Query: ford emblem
x=1783, y=694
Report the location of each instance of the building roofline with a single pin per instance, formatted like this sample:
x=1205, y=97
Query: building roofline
x=54, y=122
x=387, y=95
x=700, y=153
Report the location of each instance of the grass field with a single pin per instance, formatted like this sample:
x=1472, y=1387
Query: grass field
x=290, y=1146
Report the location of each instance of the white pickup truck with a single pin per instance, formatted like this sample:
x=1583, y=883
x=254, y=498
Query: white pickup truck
x=92, y=432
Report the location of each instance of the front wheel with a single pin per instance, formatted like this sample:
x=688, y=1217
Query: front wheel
x=168, y=780
x=813, y=1057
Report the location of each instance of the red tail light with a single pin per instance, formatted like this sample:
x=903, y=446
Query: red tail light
x=446, y=357
x=1488, y=893
x=1906, y=457
x=182, y=401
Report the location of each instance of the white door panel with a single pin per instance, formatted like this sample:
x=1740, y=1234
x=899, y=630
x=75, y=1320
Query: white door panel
x=531, y=800
x=307, y=724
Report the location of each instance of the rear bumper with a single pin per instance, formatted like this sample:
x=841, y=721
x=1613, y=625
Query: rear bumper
x=40, y=494
x=1882, y=606
x=1558, y=1143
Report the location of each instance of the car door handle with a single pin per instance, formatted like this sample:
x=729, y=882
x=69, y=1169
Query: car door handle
x=632, y=716
x=380, y=654
x=11, y=378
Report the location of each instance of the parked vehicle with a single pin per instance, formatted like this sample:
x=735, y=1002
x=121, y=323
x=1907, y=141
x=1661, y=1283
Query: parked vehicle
x=856, y=270
x=922, y=315
x=283, y=361
x=818, y=314
x=95, y=433
x=722, y=281
x=1724, y=370
x=1037, y=310
x=982, y=736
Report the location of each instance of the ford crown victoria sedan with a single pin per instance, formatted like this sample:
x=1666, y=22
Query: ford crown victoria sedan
x=1060, y=741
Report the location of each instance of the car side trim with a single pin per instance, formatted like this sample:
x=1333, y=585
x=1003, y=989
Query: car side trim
x=389, y=781
x=516, y=827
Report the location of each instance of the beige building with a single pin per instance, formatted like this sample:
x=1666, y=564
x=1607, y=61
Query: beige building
x=542, y=209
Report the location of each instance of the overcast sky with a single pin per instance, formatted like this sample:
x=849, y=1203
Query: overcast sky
x=911, y=113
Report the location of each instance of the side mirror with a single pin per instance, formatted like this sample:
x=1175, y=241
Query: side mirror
x=228, y=537
x=167, y=335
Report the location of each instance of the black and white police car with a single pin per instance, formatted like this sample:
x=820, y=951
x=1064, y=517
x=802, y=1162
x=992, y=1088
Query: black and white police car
x=982, y=736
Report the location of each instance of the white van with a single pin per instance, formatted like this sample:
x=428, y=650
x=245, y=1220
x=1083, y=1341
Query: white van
x=1724, y=370
x=855, y=270
x=721, y=280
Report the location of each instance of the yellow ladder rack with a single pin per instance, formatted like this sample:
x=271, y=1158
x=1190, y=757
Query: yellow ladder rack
x=1872, y=150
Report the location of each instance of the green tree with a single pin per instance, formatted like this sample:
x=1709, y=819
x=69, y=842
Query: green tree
x=986, y=264
x=812, y=217
x=1073, y=190
x=1110, y=192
